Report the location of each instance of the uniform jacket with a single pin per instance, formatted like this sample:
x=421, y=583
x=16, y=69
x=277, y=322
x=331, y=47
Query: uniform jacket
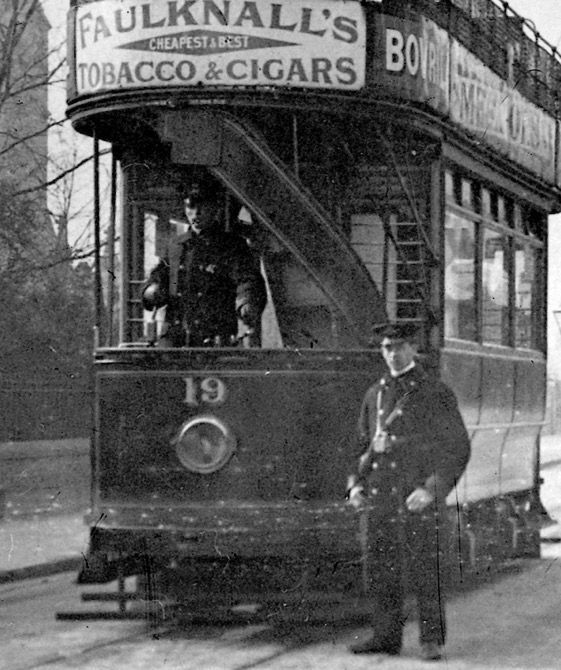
x=427, y=444
x=206, y=280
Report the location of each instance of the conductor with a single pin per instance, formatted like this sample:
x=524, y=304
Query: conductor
x=414, y=448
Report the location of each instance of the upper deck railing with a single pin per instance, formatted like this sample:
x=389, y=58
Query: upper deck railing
x=505, y=41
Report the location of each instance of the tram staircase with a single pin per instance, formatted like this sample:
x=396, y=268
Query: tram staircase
x=279, y=199
x=252, y=171
x=396, y=258
x=406, y=280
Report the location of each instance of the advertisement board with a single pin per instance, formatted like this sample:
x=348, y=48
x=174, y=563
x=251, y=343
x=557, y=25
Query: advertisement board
x=418, y=61
x=150, y=43
x=499, y=115
x=413, y=59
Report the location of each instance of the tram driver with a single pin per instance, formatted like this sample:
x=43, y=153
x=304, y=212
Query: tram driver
x=209, y=279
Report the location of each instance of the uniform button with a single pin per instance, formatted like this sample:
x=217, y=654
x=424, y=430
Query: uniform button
x=393, y=465
x=393, y=438
x=374, y=466
x=181, y=267
x=374, y=492
x=199, y=295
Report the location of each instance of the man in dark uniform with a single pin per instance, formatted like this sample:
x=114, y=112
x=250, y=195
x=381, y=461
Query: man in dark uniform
x=414, y=448
x=208, y=281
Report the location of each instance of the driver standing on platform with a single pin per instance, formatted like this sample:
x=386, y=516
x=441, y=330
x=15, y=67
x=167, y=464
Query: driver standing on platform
x=209, y=279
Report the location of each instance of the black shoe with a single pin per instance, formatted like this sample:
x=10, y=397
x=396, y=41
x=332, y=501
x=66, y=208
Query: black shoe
x=372, y=645
x=431, y=651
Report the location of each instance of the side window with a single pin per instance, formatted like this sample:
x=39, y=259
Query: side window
x=494, y=266
x=495, y=288
x=526, y=297
x=459, y=278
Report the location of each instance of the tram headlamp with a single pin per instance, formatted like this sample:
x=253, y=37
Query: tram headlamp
x=204, y=444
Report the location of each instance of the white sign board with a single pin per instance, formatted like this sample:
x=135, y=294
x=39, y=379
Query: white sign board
x=318, y=44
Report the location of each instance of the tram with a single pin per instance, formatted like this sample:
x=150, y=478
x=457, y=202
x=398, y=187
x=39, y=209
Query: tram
x=386, y=161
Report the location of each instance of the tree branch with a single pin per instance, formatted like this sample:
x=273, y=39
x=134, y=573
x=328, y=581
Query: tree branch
x=62, y=175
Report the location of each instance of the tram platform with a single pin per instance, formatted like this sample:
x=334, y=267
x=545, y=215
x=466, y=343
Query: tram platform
x=45, y=544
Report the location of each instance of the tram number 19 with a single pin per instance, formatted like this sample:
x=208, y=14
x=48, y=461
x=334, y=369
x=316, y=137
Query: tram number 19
x=210, y=391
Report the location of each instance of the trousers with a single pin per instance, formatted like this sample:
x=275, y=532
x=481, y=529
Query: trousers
x=404, y=554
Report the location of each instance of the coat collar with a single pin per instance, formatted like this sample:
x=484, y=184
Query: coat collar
x=408, y=379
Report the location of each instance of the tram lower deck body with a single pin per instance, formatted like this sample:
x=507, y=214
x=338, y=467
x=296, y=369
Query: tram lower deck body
x=279, y=494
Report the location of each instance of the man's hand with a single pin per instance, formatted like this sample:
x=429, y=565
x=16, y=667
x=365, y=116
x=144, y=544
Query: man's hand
x=418, y=500
x=154, y=297
x=249, y=314
x=356, y=497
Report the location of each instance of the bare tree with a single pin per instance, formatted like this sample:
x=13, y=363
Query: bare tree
x=45, y=294
x=28, y=66
x=38, y=154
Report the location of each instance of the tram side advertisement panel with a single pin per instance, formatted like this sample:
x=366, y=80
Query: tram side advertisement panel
x=232, y=43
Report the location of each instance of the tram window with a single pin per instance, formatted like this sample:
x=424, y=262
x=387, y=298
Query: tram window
x=533, y=224
x=454, y=187
x=369, y=241
x=495, y=285
x=509, y=213
x=159, y=232
x=517, y=219
x=459, y=278
x=528, y=276
x=476, y=197
x=493, y=265
x=151, y=258
x=297, y=314
x=302, y=316
x=466, y=194
x=494, y=205
x=486, y=203
x=526, y=262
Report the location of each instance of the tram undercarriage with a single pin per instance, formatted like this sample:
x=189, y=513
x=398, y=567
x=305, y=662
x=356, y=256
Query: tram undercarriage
x=170, y=579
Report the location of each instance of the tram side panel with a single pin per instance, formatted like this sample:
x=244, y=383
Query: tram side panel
x=502, y=401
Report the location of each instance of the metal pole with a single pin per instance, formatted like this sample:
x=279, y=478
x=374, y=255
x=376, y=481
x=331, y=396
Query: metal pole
x=295, y=145
x=97, y=243
x=111, y=251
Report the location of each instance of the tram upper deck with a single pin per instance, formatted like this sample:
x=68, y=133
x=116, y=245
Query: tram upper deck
x=475, y=65
x=360, y=120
